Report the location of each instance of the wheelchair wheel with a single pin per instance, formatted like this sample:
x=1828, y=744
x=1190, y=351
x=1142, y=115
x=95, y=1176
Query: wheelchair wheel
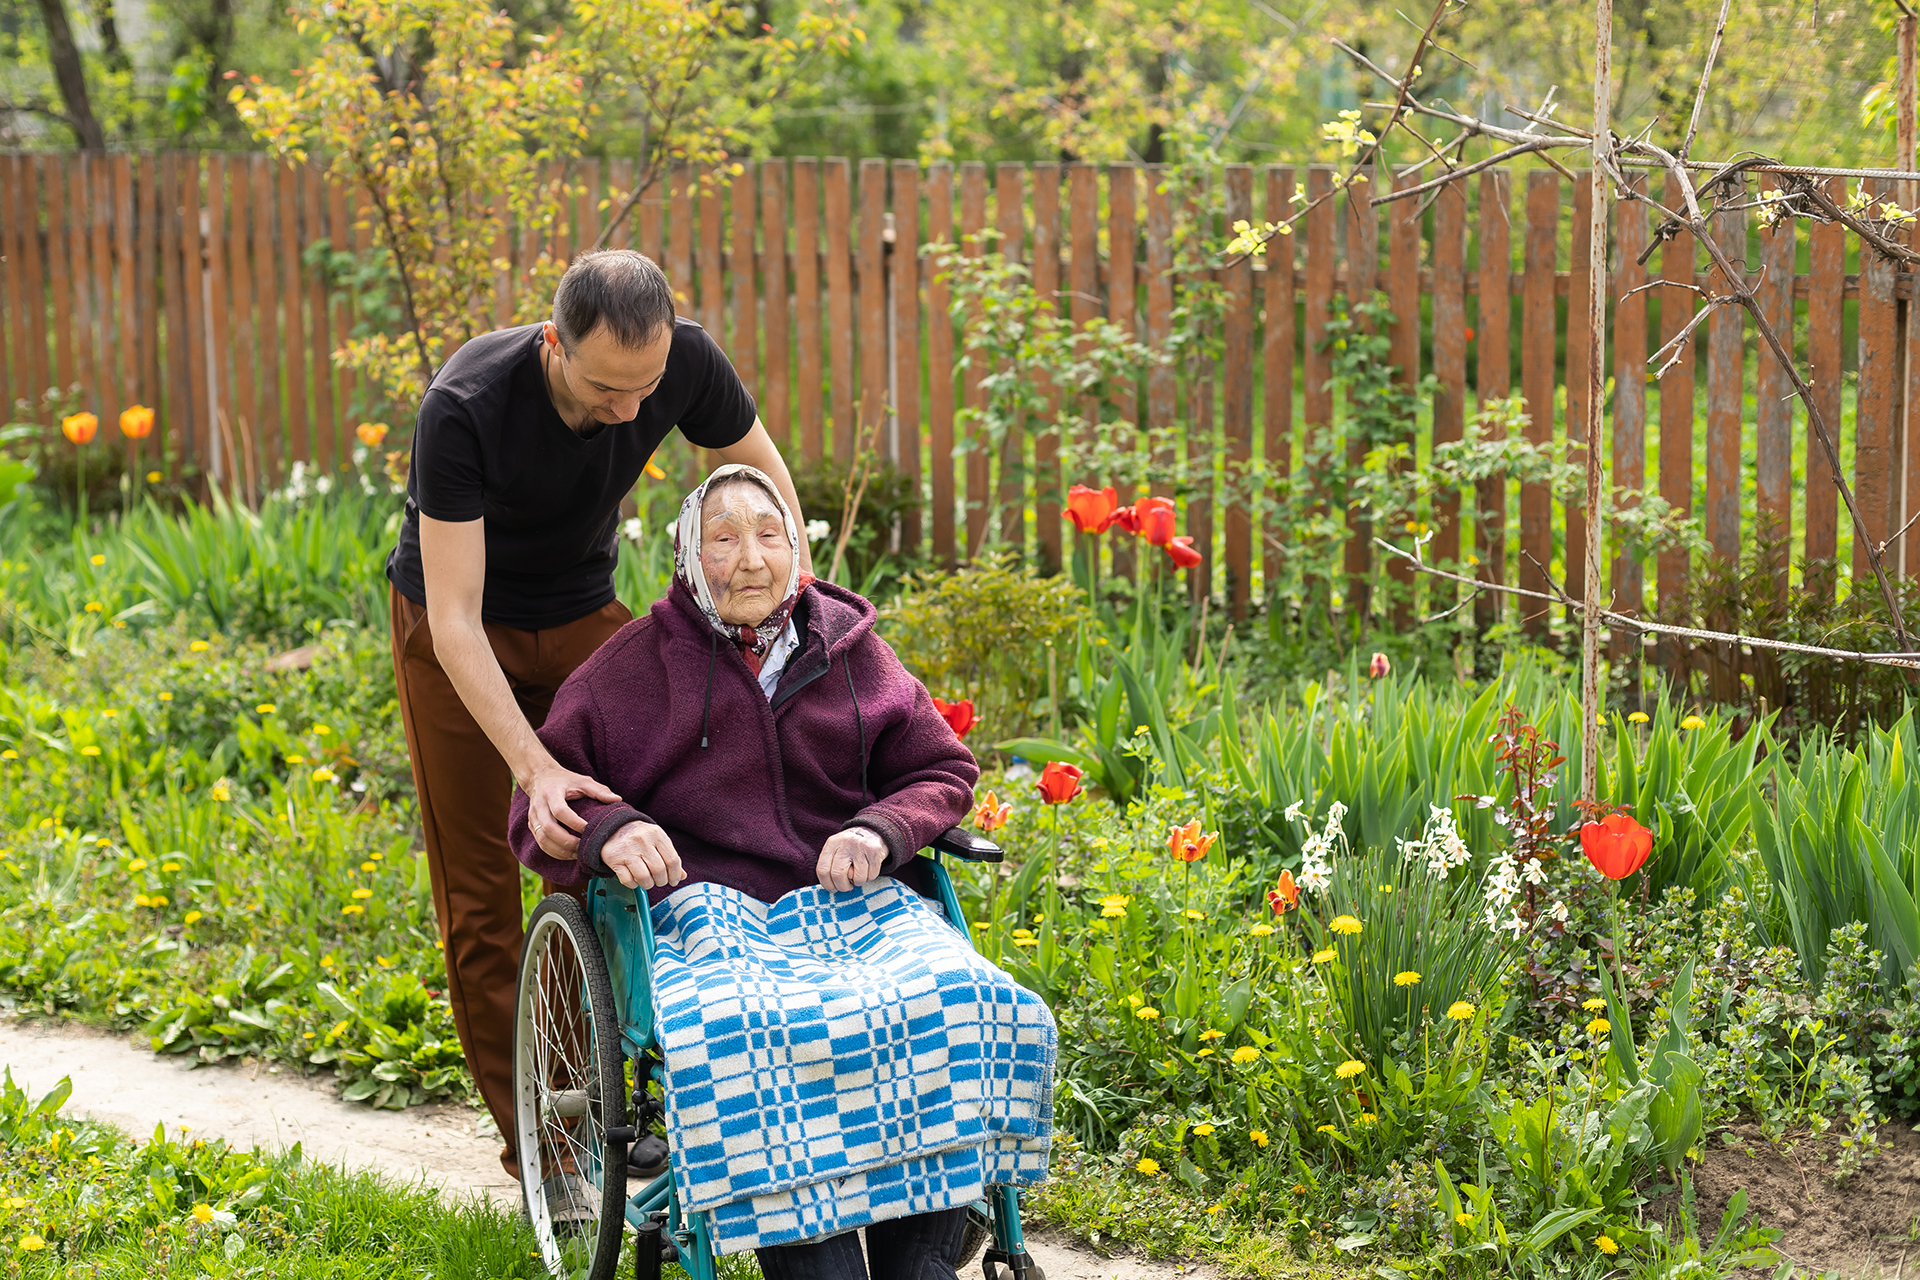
x=569, y=1088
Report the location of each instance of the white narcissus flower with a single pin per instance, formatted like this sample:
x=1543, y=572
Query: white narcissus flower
x=818, y=529
x=633, y=530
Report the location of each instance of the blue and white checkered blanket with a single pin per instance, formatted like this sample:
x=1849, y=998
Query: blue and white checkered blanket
x=838, y=1059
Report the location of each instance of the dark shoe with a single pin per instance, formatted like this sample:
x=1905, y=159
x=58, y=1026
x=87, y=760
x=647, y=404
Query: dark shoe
x=647, y=1158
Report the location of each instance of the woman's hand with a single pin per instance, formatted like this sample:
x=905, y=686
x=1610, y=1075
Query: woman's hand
x=851, y=857
x=642, y=857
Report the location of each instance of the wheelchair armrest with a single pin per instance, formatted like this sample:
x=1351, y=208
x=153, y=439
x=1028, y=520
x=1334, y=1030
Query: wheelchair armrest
x=962, y=843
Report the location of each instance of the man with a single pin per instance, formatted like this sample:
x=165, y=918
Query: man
x=502, y=584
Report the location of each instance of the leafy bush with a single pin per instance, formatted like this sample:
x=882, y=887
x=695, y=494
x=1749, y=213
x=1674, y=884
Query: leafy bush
x=984, y=631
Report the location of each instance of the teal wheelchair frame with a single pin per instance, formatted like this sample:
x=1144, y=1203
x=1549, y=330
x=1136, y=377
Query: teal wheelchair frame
x=585, y=1054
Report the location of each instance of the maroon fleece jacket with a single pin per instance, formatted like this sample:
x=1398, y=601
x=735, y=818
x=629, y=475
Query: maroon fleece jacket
x=668, y=715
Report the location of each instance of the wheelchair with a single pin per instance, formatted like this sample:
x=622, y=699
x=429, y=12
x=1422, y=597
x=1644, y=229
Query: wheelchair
x=585, y=1060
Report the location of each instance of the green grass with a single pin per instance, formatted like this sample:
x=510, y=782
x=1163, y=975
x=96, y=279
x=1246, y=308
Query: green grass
x=80, y=1199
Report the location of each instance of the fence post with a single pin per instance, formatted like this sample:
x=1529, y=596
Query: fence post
x=973, y=227
x=1010, y=217
x=1676, y=434
x=1726, y=359
x=1083, y=302
x=1276, y=355
x=1363, y=267
x=1875, y=459
x=906, y=344
x=1317, y=361
x=1403, y=293
x=1161, y=391
x=1536, y=385
x=1123, y=233
x=775, y=406
x=806, y=303
x=1493, y=380
x=314, y=280
x=839, y=202
x=744, y=338
x=1237, y=398
x=875, y=365
x=1579, y=383
x=1449, y=371
x=1630, y=400
x=940, y=365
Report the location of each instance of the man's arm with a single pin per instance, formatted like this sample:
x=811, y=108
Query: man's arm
x=757, y=451
x=453, y=561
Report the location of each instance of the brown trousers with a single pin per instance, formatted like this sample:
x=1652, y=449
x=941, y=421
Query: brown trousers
x=465, y=790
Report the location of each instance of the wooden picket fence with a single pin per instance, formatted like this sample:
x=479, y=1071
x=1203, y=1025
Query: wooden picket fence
x=182, y=281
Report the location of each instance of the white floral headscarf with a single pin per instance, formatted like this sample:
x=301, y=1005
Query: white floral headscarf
x=753, y=642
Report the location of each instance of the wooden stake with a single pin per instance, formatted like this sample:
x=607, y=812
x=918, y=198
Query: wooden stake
x=1596, y=391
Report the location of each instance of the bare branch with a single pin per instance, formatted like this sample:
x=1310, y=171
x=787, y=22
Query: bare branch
x=1706, y=74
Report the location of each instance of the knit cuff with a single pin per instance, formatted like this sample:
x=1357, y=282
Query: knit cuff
x=899, y=841
x=602, y=829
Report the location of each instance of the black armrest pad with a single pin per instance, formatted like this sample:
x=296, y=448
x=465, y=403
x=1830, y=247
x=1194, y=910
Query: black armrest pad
x=964, y=844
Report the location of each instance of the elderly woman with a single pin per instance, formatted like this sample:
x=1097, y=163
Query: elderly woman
x=779, y=771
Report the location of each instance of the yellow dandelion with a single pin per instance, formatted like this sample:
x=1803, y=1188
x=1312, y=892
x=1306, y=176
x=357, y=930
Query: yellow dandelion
x=1329, y=1128
x=1149, y=1166
x=1367, y=1117
x=1407, y=978
x=138, y=864
x=1261, y=931
x=265, y=709
x=220, y=792
x=1205, y=1053
x=1599, y=1027
x=1693, y=722
x=1202, y=1130
x=353, y=909
x=31, y=1243
x=1463, y=1219
x=1257, y=1136
x=1606, y=1245
x=1460, y=1010
x=383, y=962
x=1146, y=1013
x=192, y=917
x=1350, y=1068
x=323, y=775
x=16, y=1202
x=369, y=866
x=1637, y=717
x=1136, y=1000
x=1113, y=913
x=169, y=867
x=9, y=754
x=199, y=646
x=296, y=759
x=1245, y=1054
x=362, y=894
x=1213, y=1033
x=1595, y=1005
x=165, y=696
x=89, y=751
x=1344, y=925
x=202, y=1214
x=1300, y=1188
x=153, y=477
x=97, y=561
x=1191, y=914
x=94, y=606
x=1321, y=957
x=321, y=730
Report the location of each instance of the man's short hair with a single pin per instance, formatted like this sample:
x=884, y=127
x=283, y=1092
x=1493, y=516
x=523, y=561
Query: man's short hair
x=618, y=288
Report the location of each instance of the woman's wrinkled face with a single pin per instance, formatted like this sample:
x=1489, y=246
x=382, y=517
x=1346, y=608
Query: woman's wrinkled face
x=744, y=552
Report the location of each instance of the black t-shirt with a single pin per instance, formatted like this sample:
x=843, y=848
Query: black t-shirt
x=489, y=443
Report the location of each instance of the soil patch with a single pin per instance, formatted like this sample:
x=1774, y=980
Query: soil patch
x=1863, y=1228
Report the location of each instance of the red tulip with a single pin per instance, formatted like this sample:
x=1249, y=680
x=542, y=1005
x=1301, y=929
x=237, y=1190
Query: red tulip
x=136, y=423
x=1153, y=520
x=958, y=715
x=1379, y=666
x=79, y=427
x=1092, y=510
x=1616, y=845
x=1183, y=553
x=1187, y=844
x=1285, y=896
x=1059, y=782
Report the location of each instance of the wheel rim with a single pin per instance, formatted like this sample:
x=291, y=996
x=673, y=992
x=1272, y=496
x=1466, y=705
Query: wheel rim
x=561, y=1130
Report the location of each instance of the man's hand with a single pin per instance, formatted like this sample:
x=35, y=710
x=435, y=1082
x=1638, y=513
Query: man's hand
x=851, y=857
x=553, y=822
x=642, y=856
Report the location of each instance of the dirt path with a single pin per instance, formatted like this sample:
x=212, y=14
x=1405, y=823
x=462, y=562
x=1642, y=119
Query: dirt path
x=119, y=1083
